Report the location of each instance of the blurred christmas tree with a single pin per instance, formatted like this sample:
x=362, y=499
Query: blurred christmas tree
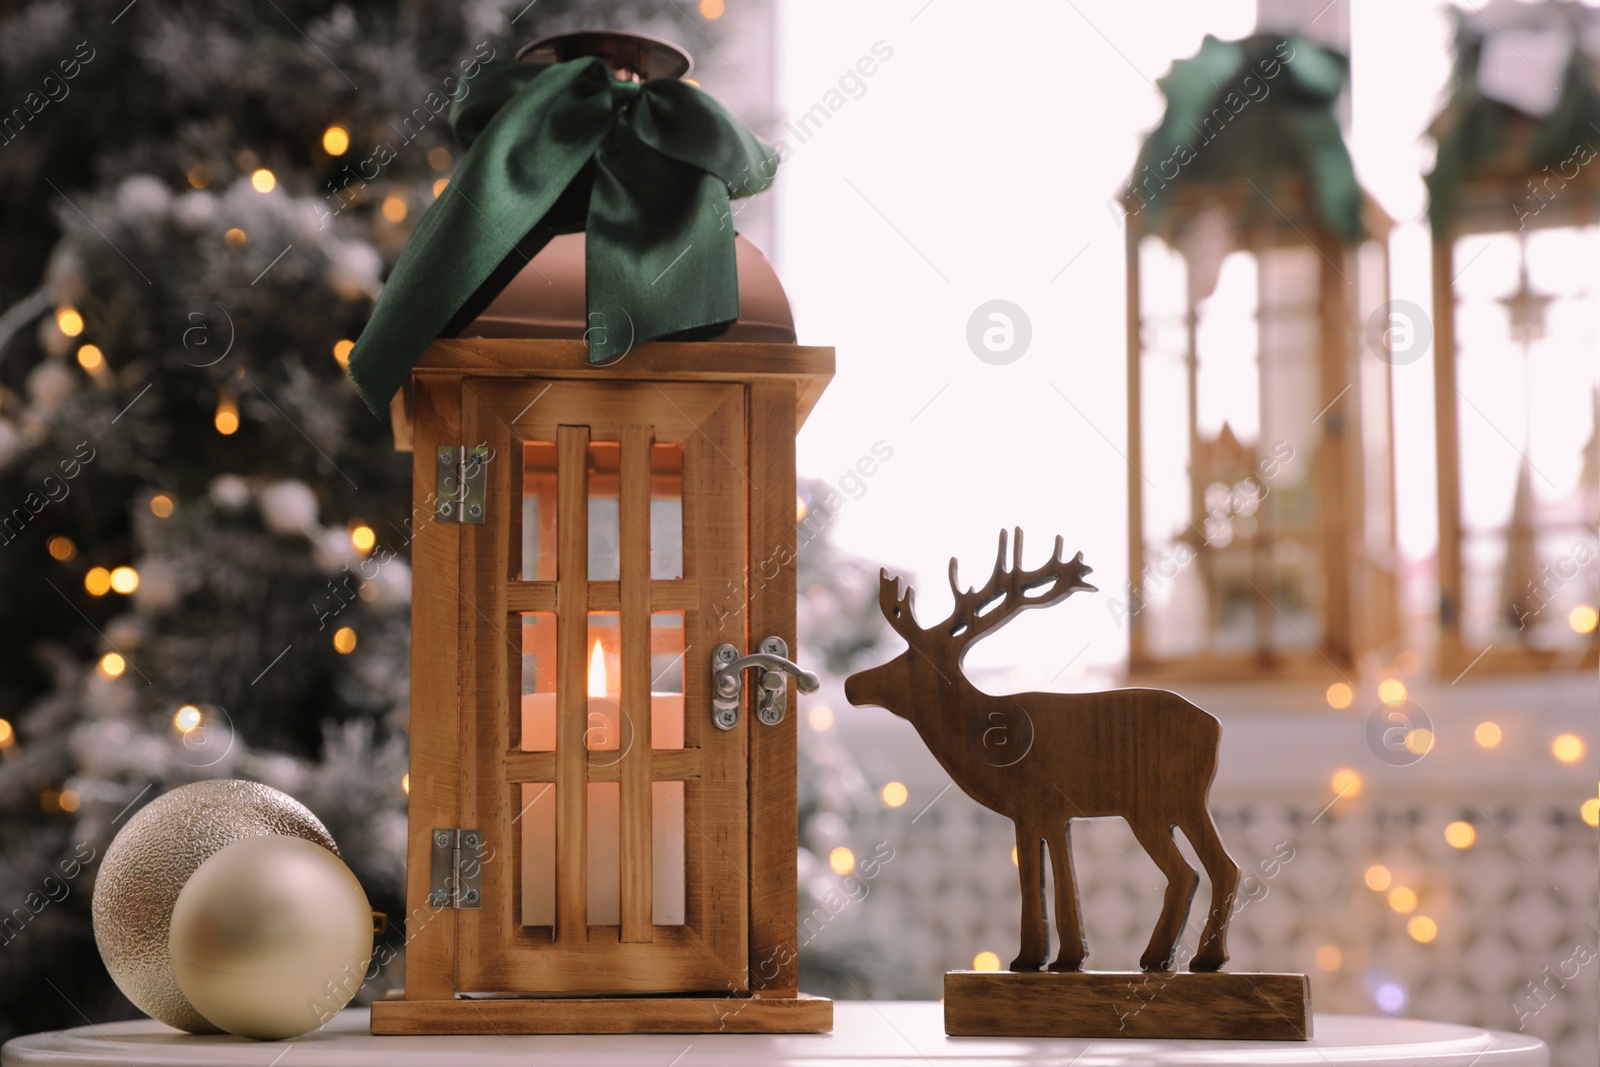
x=199, y=202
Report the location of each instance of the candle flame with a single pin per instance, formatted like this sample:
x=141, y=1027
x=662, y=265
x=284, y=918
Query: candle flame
x=597, y=671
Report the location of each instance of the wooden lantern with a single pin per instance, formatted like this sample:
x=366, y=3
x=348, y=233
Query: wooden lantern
x=1260, y=474
x=603, y=825
x=1516, y=233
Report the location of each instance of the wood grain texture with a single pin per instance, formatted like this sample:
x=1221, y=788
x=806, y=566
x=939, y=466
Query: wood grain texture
x=572, y=658
x=1100, y=1004
x=774, y=787
x=634, y=618
x=620, y=1015
x=1044, y=759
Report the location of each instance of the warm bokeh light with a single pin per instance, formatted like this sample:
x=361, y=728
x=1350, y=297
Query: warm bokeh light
x=895, y=794
x=61, y=548
x=1460, y=834
x=439, y=157
x=227, y=417
x=1422, y=929
x=69, y=322
x=841, y=860
x=69, y=800
x=1403, y=899
x=90, y=357
x=1392, y=691
x=1340, y=696
x=713, y=9
x=344, y=640
x=162, y=506
x=799, y=508
x=199, y=175
x=124, y=580
x=405, y=784
x=1590, y=810
x=1329, y=958
x=341, y=352
x=363, y=538
x=336, y=140
x=1378, y=878
x=187, y=718
x=234, y=238
x=1346, y=782
x=1013, y=855
x=1568, y=748
x=263, y=180
x=1487, y=734
x=1419, y=742
x=112, y=665
x=97, y=581
x=8, y=736
x=820, y=718
x=1583, y=618
x=394, y=207
x=439, y=186
x=986, y=961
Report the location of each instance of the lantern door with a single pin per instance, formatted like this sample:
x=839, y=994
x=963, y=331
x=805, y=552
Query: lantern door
x=608, y=566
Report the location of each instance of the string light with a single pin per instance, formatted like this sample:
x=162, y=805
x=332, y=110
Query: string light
x=1460, y=834
x=439, y=186
x=1378, y=878
x=124, y=580
x=1422, y=929
x=799, y=508
x=8, y=735
x=336, y=140
x=234, y=238
x=187, y=718
x=984, y=961
x=439, y=157
x=1590, y=810
x=895, y=794
x=841, y=860
x=341, y=352
x=1340, y=696
x=226, y=419
x=1391, y=997
x=1403, y=899
x=69, y=321
x=405, y=784
x=162, y=506
x=820, y=718
x=363, y=538
x=199, y=175
x=61, y=549
x=1013, y=855
x=1329, y=958
x=112, y=665
x=97, y=581
x=1392, y=691
x=344, y=640
x=713, y=9
x=1568, y=748
x=263, y=180
x=1583, y=619
x=1487, y=734
x=1346, y=782
x=1419, y=742
x=90, y=358
x=394, y=207
x=69, y=800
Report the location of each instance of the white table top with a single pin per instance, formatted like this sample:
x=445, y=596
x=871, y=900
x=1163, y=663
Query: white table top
x=883, y=1034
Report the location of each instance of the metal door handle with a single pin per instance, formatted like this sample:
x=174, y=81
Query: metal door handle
x=727, y=682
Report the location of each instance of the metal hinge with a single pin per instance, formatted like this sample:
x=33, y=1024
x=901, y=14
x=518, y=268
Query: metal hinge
x=460, y=478
x=457, y=872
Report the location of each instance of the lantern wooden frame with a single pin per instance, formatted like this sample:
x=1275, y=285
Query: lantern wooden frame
x=1485, y=204
x=465, y=577
x=1360, y=604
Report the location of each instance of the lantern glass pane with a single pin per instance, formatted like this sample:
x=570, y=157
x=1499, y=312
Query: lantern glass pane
x=539, y=511
x=666, y=679
x=666, y=853
x=538, y=733
x=605, y=853
x=537, y=817
x=666, y=512
x=605, y=524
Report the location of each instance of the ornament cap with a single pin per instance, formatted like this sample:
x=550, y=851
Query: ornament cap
x=632, y=57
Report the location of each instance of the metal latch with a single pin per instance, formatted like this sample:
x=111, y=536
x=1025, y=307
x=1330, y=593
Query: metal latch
x=772, y=698
x=460, y=480
x=456, y=879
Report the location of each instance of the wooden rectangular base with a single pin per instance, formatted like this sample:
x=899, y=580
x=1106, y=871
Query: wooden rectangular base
x=607, y=1015
x=1264, y=1007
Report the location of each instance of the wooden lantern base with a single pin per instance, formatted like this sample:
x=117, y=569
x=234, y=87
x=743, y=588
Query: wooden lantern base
x=605, y=1015
x=1265, y=1007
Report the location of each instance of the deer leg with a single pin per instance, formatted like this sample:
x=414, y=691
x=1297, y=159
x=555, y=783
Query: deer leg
x=1223, y=875
x=1031, y=873
x=1181, y=884
x=1069, y=922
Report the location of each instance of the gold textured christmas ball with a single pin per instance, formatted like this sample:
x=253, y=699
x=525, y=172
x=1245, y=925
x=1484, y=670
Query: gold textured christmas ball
x=271, y=937
x=149, y=861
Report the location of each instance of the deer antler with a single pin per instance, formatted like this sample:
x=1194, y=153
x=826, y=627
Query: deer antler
x=895, y=605
x=978, y=611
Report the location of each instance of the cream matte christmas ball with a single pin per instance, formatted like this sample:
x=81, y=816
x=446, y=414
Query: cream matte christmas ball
x=271, y=937
x=147, y=865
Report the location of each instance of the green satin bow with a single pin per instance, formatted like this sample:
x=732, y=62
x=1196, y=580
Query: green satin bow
x=647, y=170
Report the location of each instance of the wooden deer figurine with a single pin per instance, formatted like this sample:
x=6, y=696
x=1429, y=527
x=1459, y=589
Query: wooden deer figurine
x=1044, y=759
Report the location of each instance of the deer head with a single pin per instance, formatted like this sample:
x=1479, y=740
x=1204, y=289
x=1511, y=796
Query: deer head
x=933, y=655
